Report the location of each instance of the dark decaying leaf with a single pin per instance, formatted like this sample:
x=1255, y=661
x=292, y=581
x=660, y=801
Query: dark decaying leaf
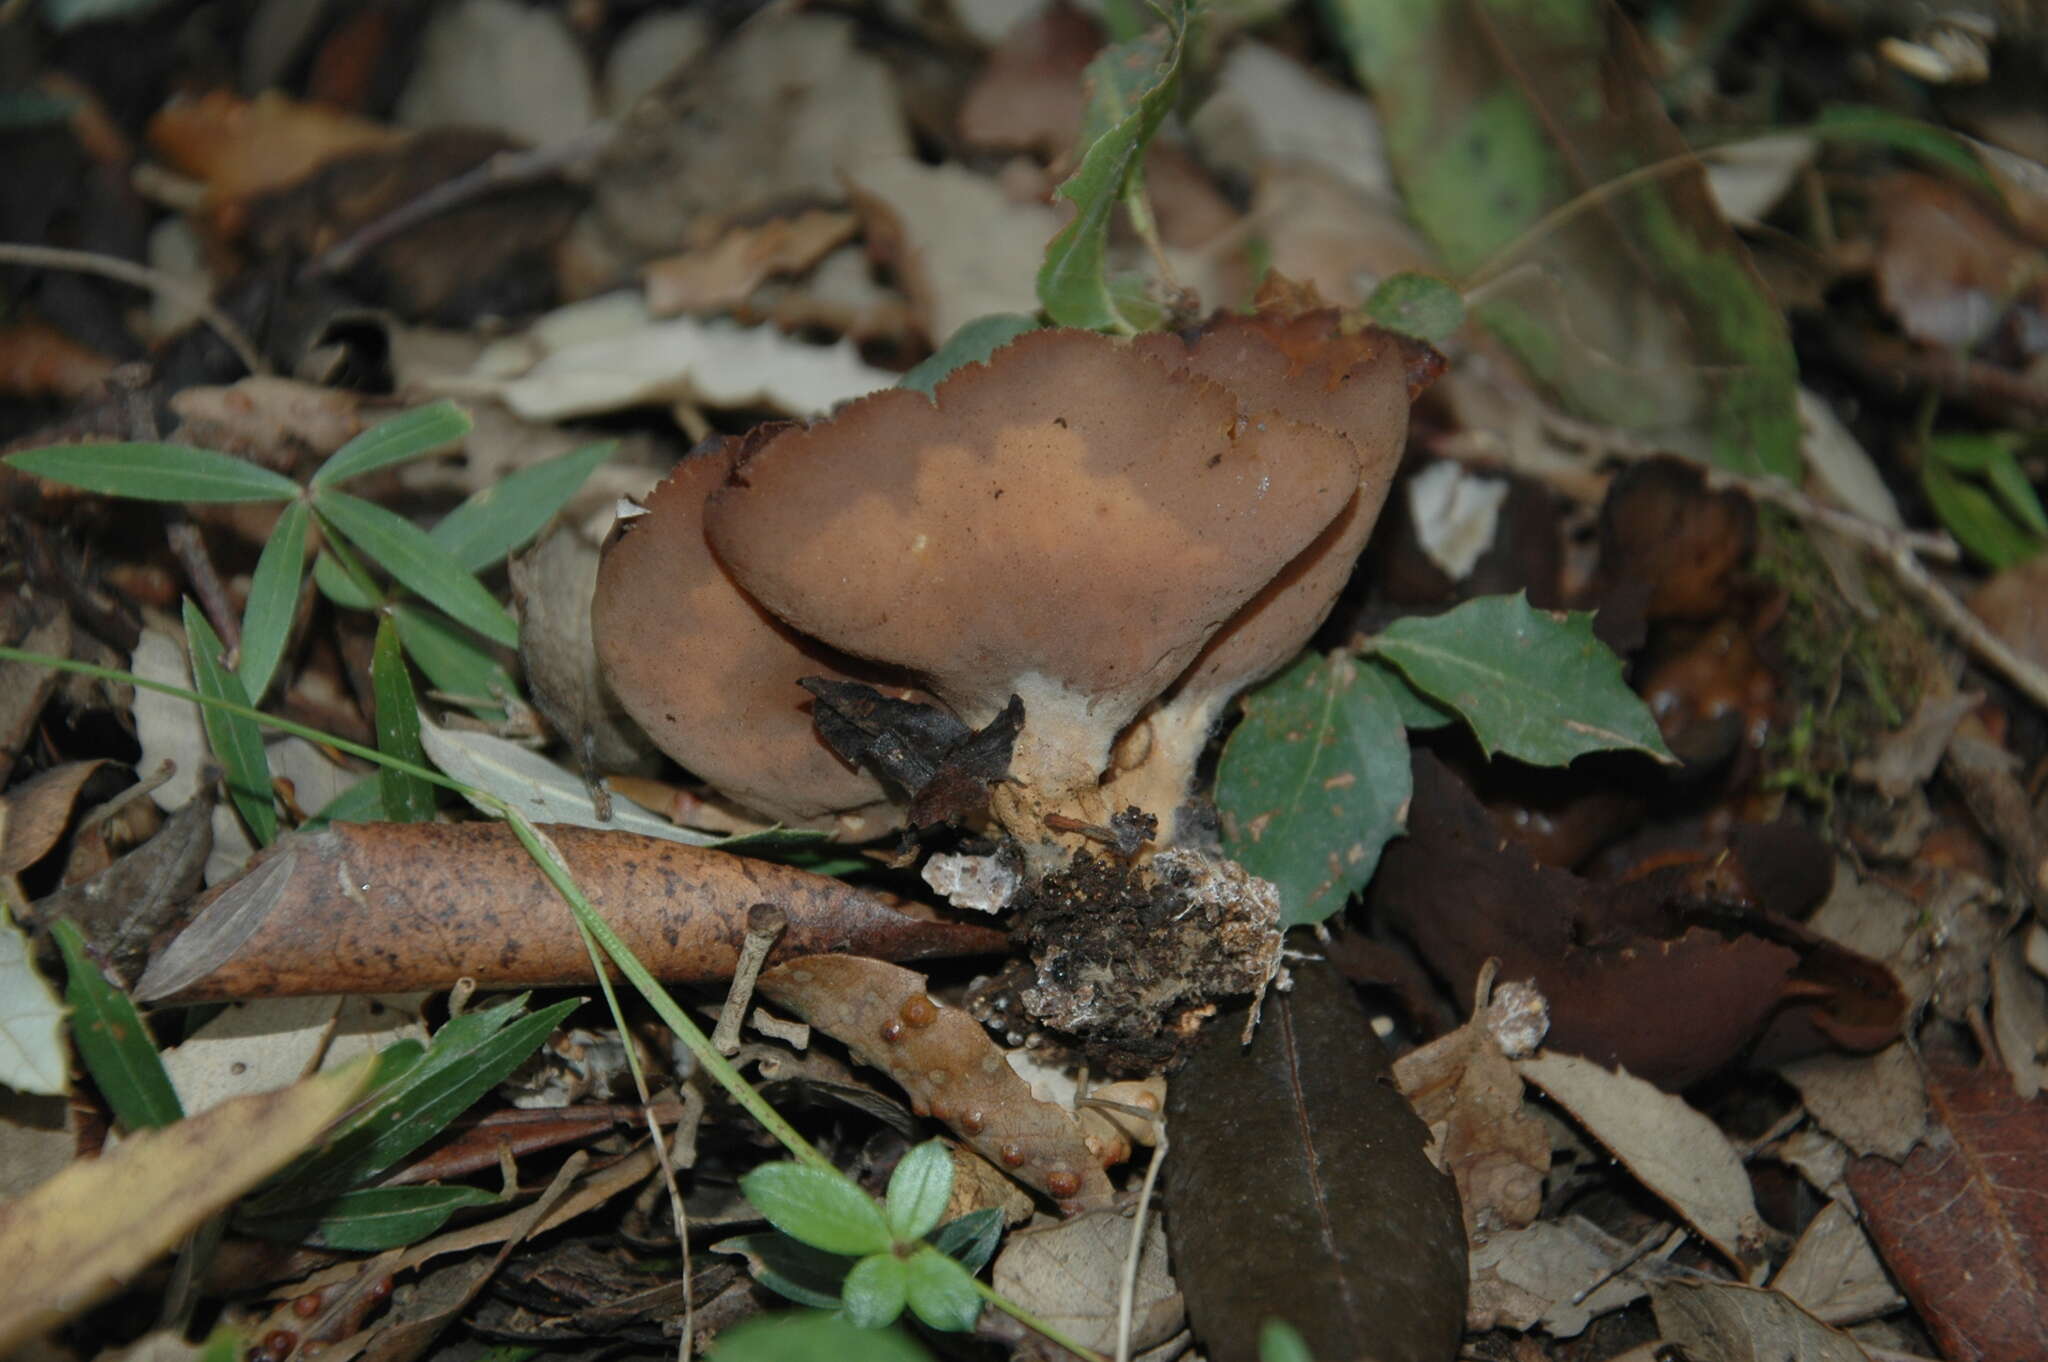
x=1300, y=1186
x=1641, y=311
x=1670, y=975
x=120, y=909
x=946, y=767
x=952, y=1070
x=384, y=907
x=1963, y=1222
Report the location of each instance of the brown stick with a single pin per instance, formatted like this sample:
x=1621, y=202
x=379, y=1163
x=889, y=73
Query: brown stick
x=388, y=907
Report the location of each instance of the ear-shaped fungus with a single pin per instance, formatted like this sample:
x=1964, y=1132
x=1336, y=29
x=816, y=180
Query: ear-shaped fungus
x=1070, y=522
x=711, y=676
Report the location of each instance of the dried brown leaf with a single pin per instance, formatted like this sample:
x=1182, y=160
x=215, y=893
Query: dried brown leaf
x=719, y=277
x=1963, y=1223
x=35, y=813
x=1743, y=1324
x=389, y=907
x=1299, y=1185
x=1069, y=1274
x=1833, y=1271
x=948, y=1065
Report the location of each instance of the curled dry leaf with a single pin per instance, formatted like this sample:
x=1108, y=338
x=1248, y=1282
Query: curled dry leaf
x=947, y=1064
x=1070, y=1275
x=1745, y=1324
x=1671, y=1149
x=35, y=813
x=1299, y=1185
x=1535, y=1276
x=1963, y=1222
x=1833, y=1271
x=388, y=907
x=92, y=1227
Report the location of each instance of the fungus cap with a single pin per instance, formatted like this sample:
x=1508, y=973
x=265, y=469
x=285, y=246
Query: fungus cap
x=709, y=675
x=1070, y=522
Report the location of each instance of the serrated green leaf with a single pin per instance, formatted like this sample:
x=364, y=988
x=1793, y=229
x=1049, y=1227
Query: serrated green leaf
x=1534, y=685
x=807, y=1336
x=503, y=516
x=236, y=739
x=1417, y=305
x=273, y=599
x=1131, y=88
x=971, y=1238
x=972, y=343
x=156, y=472
x=420, y=565
x=1314, y=783
x=406, y=798
x=405, y=436
x=32, y=1058
x=414, y=1098
x=372, y=1219
x=1848, y=123
x=114, y=1041
x=822, y=1209
x=791, y=1268
x=918, y=1190
x=875, y=1290
x=456, y=662
x=1416, y=711
x=940, y=1291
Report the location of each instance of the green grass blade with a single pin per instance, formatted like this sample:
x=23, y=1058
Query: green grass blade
x=155, y=472
x=237, y=741
x=419, y=564
x=114, y=1042
x=406, y=799
x=406, y=436
x=273, y=600
x=370, y=1219
x=501, y=517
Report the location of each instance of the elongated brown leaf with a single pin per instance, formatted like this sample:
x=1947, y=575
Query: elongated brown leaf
x=1298, y=1185
x=386, y=907
x=949, y=1066
x=1963, y=1222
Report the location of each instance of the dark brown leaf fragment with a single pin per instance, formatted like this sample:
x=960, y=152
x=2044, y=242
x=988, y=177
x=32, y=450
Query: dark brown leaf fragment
x=1298, y=1186
x=1963, y=1222
x=945, y=767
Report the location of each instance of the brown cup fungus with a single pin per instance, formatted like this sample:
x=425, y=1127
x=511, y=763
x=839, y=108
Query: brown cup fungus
x=1125, y=534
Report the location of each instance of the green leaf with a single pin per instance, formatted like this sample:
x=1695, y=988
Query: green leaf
x=236, y=739
x=1882, y=127
x=503, y=516
x=1313, y=783
x=370, y=1219
x=972, y=343
x=1131, y=87
x=343, y=587
x=456, y=663
x=941, y=1292
x=820, y=1208
x=808, y=1336
x=362, y=802
x=114, y=1041
x=1280, y=1341
x=420, y=565
x=405, y=436
x=918, y=1190
x=1535, y=685
x=1415, y=710
x=273, y=600
x=1980, y=523
x=791, y=1268
x=1417, y=305
x=156, y=472
x=406, y=798
x=875, y=1290
x=414, y=1098
x=971, y=1238
x=32, y=1057
x=1534, y=152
